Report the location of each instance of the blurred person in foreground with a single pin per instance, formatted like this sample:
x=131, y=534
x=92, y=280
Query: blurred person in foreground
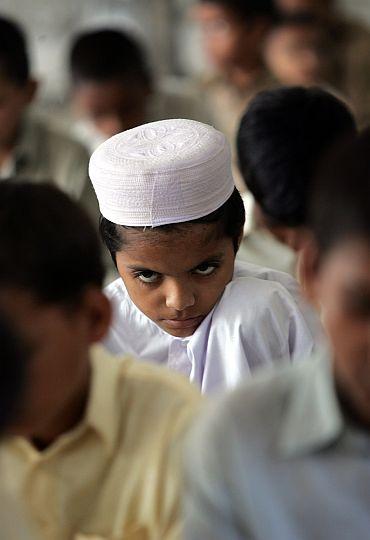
x=282, y=138
x=113, y=88
x=233, y=33
x=13, y=371
x=95, y=446
x=287, y=456
x=29, y=148
x=347, y=51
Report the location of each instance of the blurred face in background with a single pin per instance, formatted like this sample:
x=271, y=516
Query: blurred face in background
x=14, y=100
x=111, y=106
x=295, y=55
x=228, y=40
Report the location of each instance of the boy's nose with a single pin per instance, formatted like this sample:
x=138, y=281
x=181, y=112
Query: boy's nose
x=179, y=296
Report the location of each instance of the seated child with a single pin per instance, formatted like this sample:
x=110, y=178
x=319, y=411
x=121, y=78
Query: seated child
x=296, y=461
x=95, y=446
x=172, y=221
x=29, y=149
x=282, y=138
x=114, y=90
x=232, y=34
x=294, y=50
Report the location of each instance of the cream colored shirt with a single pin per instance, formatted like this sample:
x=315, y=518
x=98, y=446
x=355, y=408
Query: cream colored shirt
x=116, y=475
x=226, y=105
x=261, y=248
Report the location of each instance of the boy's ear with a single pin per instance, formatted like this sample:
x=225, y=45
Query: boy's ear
x=308, y=269
x=99, y=313
x=31, y=90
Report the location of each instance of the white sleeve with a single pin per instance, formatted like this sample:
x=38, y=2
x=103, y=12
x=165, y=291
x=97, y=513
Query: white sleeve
x=210, y=510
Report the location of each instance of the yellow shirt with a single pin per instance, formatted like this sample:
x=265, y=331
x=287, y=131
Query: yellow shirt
x=117, y=474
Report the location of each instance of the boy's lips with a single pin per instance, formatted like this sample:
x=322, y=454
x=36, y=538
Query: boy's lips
x=180, y=324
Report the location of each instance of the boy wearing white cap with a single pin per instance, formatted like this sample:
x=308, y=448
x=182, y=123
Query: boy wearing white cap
x=172, y=221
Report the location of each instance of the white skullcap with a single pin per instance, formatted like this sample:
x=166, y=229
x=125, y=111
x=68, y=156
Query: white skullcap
x=163, y=172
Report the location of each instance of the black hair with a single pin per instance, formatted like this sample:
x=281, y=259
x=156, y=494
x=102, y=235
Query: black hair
x=230, y=216
x=48, y=246
x=297, y=18
x=247, y=9
x=103, y=55
x=12, y=367
x=340, y=199
x=282, y=138
x=14, y=62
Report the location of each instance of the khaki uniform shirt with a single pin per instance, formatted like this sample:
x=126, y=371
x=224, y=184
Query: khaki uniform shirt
x=226, y=106
x=116, y=475
x=43, y=154
x=349, y=65
x=262, y=248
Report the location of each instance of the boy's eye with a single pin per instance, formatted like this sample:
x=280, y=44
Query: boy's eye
x=147, y=276
x=205, y=269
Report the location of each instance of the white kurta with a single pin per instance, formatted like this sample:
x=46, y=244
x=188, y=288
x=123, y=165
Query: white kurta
x=260, y=320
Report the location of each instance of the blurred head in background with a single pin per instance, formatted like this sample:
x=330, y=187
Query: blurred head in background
x=282, y=138
x=50, y=290
x=17, y=88
x=111, y=82
x=233, y=32
x=316, y=6
x=295, y=50
x=337, y=265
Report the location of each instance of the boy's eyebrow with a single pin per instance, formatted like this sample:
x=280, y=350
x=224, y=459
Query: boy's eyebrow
x=216, y=257
x=140, y=268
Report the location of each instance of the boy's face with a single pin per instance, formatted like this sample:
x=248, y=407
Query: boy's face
x=341, y=286
x=57, y=375
x=13, y=102
x=228, y=41
x=175, y=278
x=112, y=106
x=293, y=55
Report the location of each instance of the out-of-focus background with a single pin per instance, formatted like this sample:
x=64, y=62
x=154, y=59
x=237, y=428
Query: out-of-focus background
x=165, y=26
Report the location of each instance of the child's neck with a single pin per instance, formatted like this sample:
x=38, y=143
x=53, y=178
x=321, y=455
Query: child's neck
x=65, y=421
x=244, y=77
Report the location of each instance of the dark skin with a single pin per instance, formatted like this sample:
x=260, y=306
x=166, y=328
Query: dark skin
x=176, y=277
x=339, y=281
x=58, y=371
x=14, y=100
x=112, y=106
x=232, y=44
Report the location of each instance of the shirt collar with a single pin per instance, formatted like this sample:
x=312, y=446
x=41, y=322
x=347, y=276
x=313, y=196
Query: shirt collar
x=102, y=414
x=313, y=418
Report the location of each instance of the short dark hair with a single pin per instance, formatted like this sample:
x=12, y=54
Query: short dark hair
x=48, y=246
x=14, y=62
x=103, y=55
x=12, y=370
x=297, y=18
x=282, y=138
x=340, y=200
x=230, y=216
x=247, y=9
